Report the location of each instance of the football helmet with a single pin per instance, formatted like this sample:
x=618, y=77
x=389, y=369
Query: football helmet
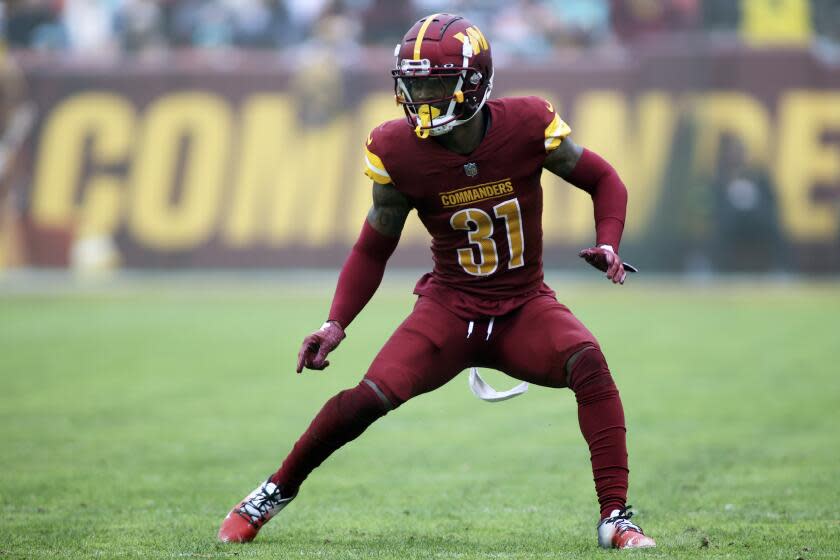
x=443, y=74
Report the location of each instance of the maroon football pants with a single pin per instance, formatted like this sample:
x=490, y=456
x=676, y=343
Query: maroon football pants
x=533, y=343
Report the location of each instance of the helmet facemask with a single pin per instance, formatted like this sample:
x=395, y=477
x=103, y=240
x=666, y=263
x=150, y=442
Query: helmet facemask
x=457, y=93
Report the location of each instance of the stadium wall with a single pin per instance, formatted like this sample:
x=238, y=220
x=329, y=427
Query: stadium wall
x=250, y=161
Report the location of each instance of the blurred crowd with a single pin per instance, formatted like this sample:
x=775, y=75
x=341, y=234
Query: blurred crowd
x=726, y=219
x=533, y=28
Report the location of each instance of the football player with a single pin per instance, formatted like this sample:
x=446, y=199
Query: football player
x=471, y=168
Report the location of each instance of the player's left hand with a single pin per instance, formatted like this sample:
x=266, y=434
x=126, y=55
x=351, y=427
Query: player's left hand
x=605, y=259
x=316, y=346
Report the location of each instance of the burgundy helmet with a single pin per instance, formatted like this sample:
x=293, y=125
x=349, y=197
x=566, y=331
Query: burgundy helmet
x=448, y=56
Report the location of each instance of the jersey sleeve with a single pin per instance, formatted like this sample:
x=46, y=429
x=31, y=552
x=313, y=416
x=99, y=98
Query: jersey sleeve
x=374, y=168
x=555, y=128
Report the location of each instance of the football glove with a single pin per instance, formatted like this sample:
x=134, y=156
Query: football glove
x=316, y=346
x=605, y=259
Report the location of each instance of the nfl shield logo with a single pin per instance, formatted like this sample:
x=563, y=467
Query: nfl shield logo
x=471, y=169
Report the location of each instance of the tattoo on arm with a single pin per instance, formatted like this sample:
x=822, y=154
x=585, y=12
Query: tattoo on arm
x=563, y=160
x=389, y=211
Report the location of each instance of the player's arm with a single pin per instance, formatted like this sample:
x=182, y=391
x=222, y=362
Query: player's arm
x=389, y=211
x=588, y=171
x=363, y=270
x=361, y=274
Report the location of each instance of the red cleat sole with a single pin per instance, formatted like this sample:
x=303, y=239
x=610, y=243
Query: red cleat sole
x=236, y=529
x=633, y=540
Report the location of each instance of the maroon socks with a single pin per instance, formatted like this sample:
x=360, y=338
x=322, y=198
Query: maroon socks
x=601, y=418
x=342, y=419
x=345, y=416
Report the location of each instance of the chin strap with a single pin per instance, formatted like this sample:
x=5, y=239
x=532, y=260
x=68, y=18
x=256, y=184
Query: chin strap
x=444, y=128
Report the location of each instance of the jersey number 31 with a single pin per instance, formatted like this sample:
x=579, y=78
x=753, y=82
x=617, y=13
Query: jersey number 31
x=479, y=227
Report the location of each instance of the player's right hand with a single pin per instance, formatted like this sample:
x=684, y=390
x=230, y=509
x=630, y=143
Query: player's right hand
x=316, y=346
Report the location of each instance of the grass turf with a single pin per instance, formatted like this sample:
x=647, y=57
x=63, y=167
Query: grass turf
x=131, y=421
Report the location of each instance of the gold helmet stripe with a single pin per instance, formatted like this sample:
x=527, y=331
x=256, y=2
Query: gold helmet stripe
x=419, y=41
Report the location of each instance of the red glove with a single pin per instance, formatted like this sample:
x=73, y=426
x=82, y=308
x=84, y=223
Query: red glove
x=316, y=346
x=605, y=259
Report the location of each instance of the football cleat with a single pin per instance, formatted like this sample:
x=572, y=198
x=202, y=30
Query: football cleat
x=617, y=531
x=245, y=520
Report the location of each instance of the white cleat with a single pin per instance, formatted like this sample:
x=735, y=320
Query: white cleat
x=246, y=519
x=617, y=531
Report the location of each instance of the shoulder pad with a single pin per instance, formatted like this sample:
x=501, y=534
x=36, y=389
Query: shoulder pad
x=374, y=168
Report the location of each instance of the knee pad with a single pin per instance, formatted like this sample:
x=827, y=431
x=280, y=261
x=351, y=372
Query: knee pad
x=587, y=370
x=388, y=402
x=363, y=401
x=346, y=415
x=386, y=396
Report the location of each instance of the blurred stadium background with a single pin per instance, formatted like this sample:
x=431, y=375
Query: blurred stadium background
x=204, y=159
x=228, y=133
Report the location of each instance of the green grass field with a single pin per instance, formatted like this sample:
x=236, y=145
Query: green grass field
x=133, y=419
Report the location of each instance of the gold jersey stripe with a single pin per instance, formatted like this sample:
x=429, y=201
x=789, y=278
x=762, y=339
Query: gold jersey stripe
x=419, y=41
x=555, y=132
x=375, y=169
x=377, y=178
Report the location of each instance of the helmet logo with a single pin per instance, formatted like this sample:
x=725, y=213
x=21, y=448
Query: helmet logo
x=471, y=169
x=475, y=37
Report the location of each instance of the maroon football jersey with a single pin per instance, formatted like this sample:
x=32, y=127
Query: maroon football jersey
x=483, y=210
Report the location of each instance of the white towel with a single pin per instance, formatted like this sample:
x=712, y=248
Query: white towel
x=485, y=392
